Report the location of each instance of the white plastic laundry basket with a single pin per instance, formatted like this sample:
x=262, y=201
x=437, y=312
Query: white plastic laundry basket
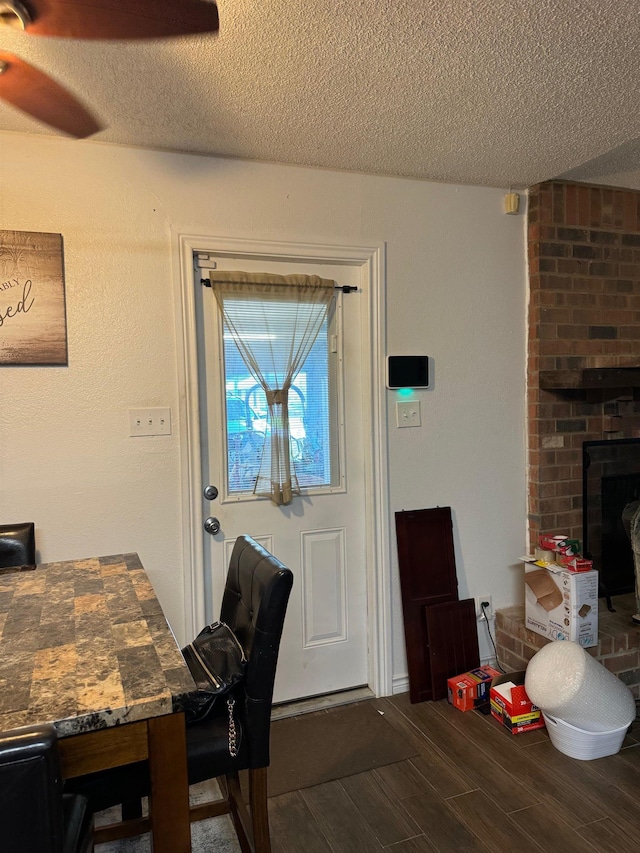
x=565, y=681
x=581, y=743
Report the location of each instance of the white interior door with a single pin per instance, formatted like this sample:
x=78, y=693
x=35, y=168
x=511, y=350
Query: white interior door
x=321, y=535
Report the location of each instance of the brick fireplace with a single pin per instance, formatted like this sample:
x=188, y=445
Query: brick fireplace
x=583, y=385
x=583, y=378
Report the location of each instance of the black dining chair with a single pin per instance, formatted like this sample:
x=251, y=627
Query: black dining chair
x=35, y=815
x=254, y=606
x=17, y=544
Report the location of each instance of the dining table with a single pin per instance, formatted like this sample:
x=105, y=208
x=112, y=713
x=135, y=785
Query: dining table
x=85, y=645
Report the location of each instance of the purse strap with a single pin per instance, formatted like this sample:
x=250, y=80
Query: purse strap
x=233, y=746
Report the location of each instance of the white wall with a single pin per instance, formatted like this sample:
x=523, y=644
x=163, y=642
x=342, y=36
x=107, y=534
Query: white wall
x=456, y=291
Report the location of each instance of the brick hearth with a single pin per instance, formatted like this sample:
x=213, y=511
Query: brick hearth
x=618, y=641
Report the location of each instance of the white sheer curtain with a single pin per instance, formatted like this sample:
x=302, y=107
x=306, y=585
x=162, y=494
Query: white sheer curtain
x=274, y=321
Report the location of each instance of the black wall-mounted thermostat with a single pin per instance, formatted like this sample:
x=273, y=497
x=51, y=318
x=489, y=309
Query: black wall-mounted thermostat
x=407, y=371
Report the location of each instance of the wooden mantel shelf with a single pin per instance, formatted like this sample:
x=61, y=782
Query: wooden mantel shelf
x=590, y=377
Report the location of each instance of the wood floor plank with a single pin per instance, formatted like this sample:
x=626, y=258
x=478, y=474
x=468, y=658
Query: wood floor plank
x=402, y=780
x=631, y=755
x=622, y=807
x=490, y=825
x=607, y=837
x=577, y=787
x=547, y=825
x=388, y=823
x=481, y=767
x=540, y=766
x=432, y=764
x=340, y=821
x=487, y=732
x=520, y=740
x=444, y=830
x=622, y=769
x=412, y=845
x=292, y=826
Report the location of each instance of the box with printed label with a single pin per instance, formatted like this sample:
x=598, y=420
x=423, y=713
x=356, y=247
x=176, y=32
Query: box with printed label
x=471, y=689
x=511, y=705
x=561, y=604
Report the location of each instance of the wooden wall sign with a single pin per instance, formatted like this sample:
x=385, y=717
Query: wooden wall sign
x=33, y=325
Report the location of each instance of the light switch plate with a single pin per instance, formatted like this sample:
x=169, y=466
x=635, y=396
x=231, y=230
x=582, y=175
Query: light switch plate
x=408, y=413
x=150, y=421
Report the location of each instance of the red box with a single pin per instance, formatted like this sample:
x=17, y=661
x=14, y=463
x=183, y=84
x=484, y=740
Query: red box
x=576, y=564
x=516, y=712
x=471, y=689
x=550, y=542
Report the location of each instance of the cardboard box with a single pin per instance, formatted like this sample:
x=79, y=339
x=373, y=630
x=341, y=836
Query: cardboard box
x=471, y=689
x=561, y=604
x=512, y=707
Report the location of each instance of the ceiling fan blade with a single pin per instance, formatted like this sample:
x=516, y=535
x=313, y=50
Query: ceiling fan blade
x=121, y=19
x=39, y=96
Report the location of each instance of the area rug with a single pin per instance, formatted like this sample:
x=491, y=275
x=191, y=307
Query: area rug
x=313, y=748
x=305, y=750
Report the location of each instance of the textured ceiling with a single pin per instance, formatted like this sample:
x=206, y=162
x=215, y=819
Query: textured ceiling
x=488, y=92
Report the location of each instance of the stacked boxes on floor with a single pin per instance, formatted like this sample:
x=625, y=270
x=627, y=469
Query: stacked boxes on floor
x=505, y=693
x=511, y=706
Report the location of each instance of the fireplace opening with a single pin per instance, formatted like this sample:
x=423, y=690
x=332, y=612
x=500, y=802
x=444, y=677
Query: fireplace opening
x=610, y=481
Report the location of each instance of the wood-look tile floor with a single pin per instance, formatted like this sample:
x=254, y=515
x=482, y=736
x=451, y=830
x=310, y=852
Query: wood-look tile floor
x=471, y=787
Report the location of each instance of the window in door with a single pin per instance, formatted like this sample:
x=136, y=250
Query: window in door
x=314, y=414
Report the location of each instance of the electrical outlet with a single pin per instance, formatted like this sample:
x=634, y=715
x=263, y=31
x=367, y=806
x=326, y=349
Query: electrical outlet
x=487, y=612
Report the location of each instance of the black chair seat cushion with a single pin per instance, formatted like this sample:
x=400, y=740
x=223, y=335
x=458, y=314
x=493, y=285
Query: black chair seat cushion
x=207, y=747
x=108, y=788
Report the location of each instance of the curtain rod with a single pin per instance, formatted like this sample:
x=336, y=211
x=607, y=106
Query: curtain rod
x=345, y=288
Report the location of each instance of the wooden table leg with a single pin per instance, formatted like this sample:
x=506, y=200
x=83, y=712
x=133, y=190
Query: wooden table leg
x=169, y=800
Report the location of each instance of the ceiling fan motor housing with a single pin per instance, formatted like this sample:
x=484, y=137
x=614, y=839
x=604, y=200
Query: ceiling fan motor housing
x=14, y=14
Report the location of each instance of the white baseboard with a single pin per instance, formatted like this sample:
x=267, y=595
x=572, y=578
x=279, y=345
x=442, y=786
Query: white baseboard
x=400, y=684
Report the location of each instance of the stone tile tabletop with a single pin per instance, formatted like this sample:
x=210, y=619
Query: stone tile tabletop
x=84, y=644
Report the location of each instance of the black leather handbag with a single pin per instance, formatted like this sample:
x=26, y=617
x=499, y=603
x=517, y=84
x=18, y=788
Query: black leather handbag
x=217, y=664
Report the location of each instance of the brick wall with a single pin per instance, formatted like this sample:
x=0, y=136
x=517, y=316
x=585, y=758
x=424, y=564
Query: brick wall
x=584, y=272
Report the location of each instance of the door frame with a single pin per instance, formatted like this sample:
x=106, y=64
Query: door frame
x=371, y=262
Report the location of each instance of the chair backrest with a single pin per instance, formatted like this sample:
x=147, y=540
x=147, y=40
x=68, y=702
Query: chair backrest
x=31, y=815
x=17, y=544
x=254, y=606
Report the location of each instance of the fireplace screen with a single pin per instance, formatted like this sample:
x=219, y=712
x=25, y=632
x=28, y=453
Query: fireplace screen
x=610, y=480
